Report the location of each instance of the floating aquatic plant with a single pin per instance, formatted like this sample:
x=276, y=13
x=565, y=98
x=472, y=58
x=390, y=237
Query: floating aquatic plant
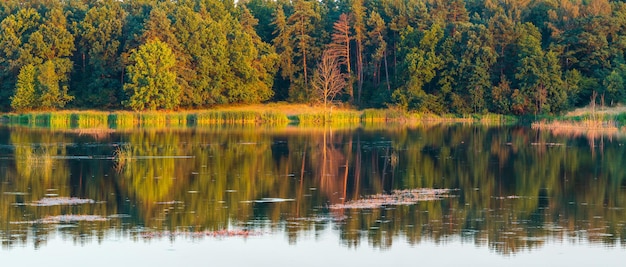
x=69, y=218
x=397, y=197
x=216, y=233
x=56, y=201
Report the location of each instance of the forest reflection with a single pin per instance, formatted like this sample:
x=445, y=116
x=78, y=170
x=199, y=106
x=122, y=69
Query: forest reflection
x=516, y=188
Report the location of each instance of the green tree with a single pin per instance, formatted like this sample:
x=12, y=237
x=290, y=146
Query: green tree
x=378, y=47
x=51, y=82
x=538, y=73
x=359, y=17
x=152, y=82
x=99, y=69
x=252, y=61
x=420, y=66
x=614, y=88
x=15, y=50
x=302, y=23
x=25, y=98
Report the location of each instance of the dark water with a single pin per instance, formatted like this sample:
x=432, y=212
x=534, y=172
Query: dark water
x=181, y=195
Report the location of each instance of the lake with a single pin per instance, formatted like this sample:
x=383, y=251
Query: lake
x=441, y=195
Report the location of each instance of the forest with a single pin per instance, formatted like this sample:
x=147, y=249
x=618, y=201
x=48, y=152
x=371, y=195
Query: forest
x=438, y=56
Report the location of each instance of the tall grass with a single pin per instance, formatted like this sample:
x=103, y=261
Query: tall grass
x=274, y=118
x=91, y=119
x=327, y=117
x=123, y=120
x=59, y=120
x=382, y=115
x=231, y=117
x=269, y=115
x=123, y=155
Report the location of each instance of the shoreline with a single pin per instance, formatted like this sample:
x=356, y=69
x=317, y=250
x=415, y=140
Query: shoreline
x=303, y=115
x=263, y=114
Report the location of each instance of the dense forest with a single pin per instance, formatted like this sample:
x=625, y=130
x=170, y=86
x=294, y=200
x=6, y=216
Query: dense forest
x=453, y=56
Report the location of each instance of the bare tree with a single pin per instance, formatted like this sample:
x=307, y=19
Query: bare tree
x=328, y=81
x=340, y=47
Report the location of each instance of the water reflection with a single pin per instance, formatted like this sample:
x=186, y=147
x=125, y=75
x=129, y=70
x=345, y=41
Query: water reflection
x=517, y=188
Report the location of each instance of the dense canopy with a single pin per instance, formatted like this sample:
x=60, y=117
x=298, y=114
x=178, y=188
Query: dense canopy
x=509, y=57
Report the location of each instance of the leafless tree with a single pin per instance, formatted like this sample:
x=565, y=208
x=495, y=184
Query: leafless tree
x=340, y=48
x=328, y=81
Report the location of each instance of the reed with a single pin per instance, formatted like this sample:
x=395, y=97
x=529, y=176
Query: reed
x=274, y=118
x=39, y=157
x=177, y=119
x=327, y=118
x=123, y=120
x=383, y=115
x=491, y=119
x=58, y=120
x=584, y=124
x=227, y=117
x=25, y=119
x=122, y=156
x=153, y=119
x=309, y=119
x=91, y=119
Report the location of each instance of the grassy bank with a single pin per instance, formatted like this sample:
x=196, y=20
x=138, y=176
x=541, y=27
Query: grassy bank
x=270, y=114
x=586, y=119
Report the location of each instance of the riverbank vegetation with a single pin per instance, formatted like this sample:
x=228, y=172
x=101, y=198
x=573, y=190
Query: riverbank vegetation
x=268, y=115
x=428, y=56
x=598, y=120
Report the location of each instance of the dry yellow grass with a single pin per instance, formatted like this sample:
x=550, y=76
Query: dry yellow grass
x=589, y=128
x=287, y=108
x=598, y=110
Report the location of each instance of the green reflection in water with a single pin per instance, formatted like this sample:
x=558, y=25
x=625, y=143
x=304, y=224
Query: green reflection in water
x=516, y=188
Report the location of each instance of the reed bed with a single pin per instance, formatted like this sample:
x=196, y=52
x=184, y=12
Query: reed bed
x=123, y=155
x=587, y=124
x=274, y=118
x=153, y=119
x=91, y=119
x=226, y=117
x=177, y=119
x=341, y=117
x=123, y=120
x=39, y=157
x=382, y=115
x=268, y=115
x=61, y=120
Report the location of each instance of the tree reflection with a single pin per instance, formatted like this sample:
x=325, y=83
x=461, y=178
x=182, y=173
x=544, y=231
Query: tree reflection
x=517, y=188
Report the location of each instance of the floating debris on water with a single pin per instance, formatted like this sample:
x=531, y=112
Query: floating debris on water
x=508, y=197
x=73, y=218
x=397, y=197
x=119, y=216
x=547, y=144
x=217, y=234
x=273, y=200
x=56, y=201
x=169, y=202
x=65, y=219
x=15, y=193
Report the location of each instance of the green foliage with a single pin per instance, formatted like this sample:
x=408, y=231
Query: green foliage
x=52, y=93
x=537, y=57
x=421, y=62
x=152, y=83
x=25, y=97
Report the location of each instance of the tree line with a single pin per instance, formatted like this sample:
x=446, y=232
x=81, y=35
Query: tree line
x=459, y=56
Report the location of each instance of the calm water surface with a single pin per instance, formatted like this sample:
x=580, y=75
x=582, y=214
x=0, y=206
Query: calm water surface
x=242, y=196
